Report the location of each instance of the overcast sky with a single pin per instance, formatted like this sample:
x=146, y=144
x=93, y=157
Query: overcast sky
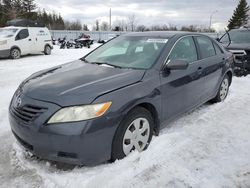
x=147, y=12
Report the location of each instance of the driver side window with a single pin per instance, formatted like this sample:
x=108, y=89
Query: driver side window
x=23, y=34
x=184, y=49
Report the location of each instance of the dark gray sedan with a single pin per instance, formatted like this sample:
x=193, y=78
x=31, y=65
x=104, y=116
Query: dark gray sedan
x=113, y=100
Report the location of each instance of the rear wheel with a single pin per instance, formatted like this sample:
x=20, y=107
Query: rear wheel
x=134, y=133
x=47, y=50
x=223, y=90
x=15, y=53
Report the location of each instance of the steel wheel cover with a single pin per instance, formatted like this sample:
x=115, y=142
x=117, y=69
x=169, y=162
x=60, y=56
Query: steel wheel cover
x=136, y=136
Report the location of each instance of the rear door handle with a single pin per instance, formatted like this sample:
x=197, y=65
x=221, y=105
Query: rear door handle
x=29, y=39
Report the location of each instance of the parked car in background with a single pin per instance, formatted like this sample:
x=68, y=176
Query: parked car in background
x=237, y=41
x=16, y=40
x=112, y=101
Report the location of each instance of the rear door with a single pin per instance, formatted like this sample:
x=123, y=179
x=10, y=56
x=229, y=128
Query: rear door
x=212, y=60
x=37, y=38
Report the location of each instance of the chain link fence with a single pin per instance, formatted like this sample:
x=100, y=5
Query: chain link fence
x=100, y=35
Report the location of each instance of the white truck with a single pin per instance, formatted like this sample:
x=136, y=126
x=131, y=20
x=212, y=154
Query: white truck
x=16, y=41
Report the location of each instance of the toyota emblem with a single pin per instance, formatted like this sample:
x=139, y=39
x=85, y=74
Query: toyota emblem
x=17, y=102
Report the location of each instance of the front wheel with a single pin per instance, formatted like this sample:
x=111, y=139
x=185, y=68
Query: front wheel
x=223, y=90
x=134, y=133
x=15, y=53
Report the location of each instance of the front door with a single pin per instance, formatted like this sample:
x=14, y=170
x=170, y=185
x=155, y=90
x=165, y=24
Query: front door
x=23, y=41
x=181, y=89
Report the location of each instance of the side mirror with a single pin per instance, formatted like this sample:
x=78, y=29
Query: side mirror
x=177, y=64
x=218, y=39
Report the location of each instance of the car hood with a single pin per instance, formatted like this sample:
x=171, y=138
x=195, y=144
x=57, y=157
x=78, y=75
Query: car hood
x=234, y=46
x=77, y=83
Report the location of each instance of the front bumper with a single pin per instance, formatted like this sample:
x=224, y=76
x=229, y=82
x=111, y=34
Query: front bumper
x=241, y=62
x=81, y=143
x=4, y=53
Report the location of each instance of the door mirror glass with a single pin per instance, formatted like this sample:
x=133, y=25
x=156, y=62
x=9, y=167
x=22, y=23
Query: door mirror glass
x=177, y=64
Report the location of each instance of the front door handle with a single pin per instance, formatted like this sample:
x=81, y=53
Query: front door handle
x=29, y=39
x=199, y=70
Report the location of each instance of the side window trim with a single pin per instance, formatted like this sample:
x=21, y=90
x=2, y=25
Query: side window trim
x=197, y=50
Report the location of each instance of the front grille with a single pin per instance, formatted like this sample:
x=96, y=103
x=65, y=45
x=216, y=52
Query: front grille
x=27, y=113
x=241, y=55
x=248, y=55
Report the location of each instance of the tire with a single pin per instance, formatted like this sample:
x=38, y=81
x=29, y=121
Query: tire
x=126, y=140
x=47, y=50
x=223, y=90
x=15, y=53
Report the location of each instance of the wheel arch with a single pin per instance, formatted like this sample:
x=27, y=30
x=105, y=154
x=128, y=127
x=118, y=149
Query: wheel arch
x=155, y=114
x=16, y=47
x=47, y=44
x=230, y=75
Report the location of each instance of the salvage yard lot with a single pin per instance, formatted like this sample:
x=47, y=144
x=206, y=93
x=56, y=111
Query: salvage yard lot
x=209, y=147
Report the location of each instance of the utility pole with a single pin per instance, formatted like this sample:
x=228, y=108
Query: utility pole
x=110, y=15
x=211, y=17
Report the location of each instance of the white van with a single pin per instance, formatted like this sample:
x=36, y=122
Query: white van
x=18, y=41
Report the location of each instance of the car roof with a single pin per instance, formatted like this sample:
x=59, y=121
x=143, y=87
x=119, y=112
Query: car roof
x=20, y=27
x=162, y=34
x=241, y=29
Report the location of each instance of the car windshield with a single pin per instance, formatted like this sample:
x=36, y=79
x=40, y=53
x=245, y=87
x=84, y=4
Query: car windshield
x=129, y=52
x=237, y=36
x=7, y=33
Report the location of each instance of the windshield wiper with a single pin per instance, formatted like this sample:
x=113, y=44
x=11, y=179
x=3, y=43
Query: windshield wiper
x=85, y=60
x=109, y=64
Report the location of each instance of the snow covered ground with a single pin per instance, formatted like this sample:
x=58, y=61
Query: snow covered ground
x=208, y=148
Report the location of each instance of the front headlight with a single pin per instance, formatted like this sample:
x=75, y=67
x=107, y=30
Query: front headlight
x=79, y=113
x=3, y=42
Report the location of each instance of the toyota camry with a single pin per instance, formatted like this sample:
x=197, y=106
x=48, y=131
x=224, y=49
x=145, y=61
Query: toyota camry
x=113, y=100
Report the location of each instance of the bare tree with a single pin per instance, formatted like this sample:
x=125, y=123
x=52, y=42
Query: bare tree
x=165, y=27
x=141, y=28
x=132, y=22
x=156, y=28
x=121, y=24
x=104, y=26
x=172, y=27
x=85, y=27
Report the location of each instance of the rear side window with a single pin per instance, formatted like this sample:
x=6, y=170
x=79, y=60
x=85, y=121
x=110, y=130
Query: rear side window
x=206, y=47
x=217, y=49
x=24, y=33
x=184, y=50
